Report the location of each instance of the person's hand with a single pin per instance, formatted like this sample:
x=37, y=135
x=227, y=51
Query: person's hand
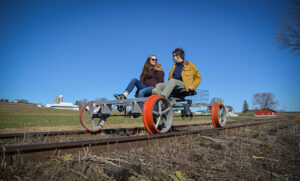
x=191, y=88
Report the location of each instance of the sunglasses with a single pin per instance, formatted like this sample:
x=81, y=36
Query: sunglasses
x=154, y=59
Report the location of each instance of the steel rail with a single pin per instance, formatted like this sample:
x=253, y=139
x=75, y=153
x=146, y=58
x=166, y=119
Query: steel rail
x=106, y=131
x=55, y=133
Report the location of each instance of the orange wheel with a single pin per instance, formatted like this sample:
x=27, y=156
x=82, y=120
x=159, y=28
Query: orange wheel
x=157, y=114
x=145, y=108
x=89, y=117
x=218, y=115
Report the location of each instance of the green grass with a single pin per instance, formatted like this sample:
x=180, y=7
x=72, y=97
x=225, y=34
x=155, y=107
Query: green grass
x=18, y=115
x=15, y=121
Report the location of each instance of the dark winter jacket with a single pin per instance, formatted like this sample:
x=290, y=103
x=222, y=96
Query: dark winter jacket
x=154, y=77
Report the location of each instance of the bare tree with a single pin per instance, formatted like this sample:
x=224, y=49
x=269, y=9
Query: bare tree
x=102, y=99
x=4, y=100
x=23, y=101
x=289, y=35
x=81, y=103
x=265, y=100
x=84, y=101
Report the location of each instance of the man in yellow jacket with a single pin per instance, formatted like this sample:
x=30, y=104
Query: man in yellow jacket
x=184, y=76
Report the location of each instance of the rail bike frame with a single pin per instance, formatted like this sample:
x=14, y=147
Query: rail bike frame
x=157, y=112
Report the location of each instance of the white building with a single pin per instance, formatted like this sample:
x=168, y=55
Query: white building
x=58, y=104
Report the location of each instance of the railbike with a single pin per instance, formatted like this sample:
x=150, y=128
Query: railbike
x=157, y=111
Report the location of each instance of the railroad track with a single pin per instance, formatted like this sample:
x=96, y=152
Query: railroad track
x=46, y=151
x=132, y=130
x=128, y=131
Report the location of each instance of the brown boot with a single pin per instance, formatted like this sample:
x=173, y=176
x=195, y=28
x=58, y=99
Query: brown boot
x=117, y=96
x=122, y=96
x=155, y=91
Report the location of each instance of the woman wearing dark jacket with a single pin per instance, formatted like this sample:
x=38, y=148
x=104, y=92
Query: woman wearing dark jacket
x=151, y=75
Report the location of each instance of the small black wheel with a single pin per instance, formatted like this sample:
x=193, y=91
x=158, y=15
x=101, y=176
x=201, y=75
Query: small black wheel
x=121, y=108
x=136, y=115
x=182, y=113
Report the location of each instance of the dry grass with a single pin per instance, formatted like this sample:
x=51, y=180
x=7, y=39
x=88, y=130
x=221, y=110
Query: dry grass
x=267, y=152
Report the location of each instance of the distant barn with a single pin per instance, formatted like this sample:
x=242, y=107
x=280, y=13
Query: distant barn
x=265, y=112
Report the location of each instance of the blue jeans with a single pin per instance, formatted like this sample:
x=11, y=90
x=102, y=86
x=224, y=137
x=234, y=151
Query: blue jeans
x=143, y=91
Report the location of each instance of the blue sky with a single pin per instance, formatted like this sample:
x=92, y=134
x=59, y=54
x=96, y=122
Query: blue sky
x=92, y=49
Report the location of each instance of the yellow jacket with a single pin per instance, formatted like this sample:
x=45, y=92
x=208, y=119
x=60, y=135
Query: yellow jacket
x=190, y=75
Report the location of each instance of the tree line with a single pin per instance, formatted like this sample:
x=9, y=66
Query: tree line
x=260, y=100
x=18, y=101
x=84, y=101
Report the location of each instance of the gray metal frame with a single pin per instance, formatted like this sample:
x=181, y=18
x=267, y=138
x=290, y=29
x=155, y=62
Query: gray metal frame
x=177, y=103
x=162, y=119
x=137, y=104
